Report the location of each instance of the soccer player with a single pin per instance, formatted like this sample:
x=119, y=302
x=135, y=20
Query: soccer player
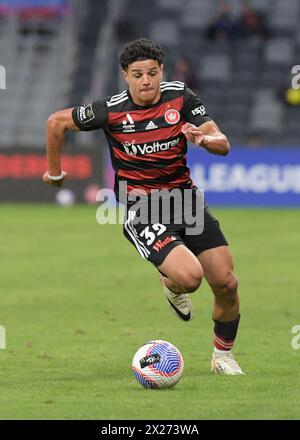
x=147, y=128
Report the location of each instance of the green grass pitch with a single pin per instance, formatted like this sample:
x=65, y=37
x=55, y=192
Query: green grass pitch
x=77, y=301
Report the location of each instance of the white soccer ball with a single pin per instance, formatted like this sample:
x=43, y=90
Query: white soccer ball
x=157, y=364
x=65, y=197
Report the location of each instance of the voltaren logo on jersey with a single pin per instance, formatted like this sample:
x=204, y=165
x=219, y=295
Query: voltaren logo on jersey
x=128, y=124
x=137, y=149
x=172, y=116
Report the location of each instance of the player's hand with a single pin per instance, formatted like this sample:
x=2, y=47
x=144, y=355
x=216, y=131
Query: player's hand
x=52, y=182
x=193, y=134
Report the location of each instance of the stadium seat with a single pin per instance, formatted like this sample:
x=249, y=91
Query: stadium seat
x=279, y=51
x=261, y=5
x=165, y=32
x=216, y=67
x=197, y=15
x=39, y=67
x=231, y=74
x=170, y=5
x=236, y=112
x=266, y=117
x=284, y=23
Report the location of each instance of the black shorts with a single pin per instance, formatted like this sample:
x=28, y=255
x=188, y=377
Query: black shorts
x=155, y=241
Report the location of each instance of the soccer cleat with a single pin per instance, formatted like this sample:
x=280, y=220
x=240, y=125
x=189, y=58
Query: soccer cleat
x=180, y=303
x=225, y=364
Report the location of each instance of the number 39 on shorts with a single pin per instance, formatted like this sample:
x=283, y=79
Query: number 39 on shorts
x=158, y=229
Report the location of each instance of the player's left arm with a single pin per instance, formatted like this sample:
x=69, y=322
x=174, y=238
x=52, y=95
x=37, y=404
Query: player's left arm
x=208, y=136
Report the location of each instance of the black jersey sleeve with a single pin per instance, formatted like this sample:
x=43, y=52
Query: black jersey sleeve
x=193, y=110
x=91, y=116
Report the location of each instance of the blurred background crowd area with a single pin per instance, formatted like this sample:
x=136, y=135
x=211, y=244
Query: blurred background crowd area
x=237, y=55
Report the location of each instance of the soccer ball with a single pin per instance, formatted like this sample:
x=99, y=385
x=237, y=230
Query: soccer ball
x=157, y=364
x=65, y=197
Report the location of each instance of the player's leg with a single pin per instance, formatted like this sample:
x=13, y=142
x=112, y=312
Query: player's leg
x=181, y=273
x=181, y=270
x=218, y=269
x=213, y=253
x=217, y=264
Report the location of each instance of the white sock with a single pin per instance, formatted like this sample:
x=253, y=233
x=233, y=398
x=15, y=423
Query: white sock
x=220, y=353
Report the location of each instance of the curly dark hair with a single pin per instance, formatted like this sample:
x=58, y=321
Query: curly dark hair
x=141, y=49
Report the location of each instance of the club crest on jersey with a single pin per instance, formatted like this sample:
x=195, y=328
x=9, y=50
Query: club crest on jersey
x=172, y=116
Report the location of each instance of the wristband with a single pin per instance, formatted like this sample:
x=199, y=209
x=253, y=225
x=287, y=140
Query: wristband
x=56, y=177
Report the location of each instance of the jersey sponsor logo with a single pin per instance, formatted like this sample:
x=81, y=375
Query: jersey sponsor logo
x=162, y=243
x=151, y=126
x=200, y=110
x=85, y=113
x=172, y=116
x=139, y=150
x=130, y=148
x=128, y=124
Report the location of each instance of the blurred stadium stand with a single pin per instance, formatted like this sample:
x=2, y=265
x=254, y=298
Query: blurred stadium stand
x=60, y=53
x=37, y=50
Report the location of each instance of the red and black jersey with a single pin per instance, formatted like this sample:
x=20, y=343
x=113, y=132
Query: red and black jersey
x=147, y=148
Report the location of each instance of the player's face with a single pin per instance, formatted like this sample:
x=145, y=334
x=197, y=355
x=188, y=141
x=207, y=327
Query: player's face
x=143, y=78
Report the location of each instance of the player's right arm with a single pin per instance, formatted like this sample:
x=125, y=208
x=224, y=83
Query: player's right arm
x=84, y=117
x=57, y=125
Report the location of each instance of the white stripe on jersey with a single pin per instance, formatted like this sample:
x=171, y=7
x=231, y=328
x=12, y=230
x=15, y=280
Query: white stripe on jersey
x=116, y=97
x=171, y=88
x=162, y=89
x=178, y=84
x=173, y=82
x=110, y=104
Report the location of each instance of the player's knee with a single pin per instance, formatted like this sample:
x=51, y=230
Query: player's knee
x=191, y=280
x=228, y=286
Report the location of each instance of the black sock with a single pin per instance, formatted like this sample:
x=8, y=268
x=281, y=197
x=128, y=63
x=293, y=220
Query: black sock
x=225, y=333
